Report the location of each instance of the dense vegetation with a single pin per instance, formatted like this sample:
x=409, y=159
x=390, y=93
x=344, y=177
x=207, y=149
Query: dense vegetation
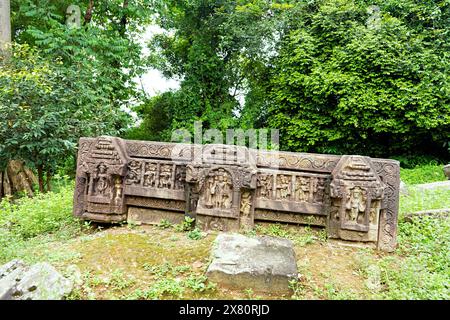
x=59, y=83
x=335, y=76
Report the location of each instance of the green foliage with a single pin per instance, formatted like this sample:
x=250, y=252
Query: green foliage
x=186, y=225
x=45, y=107
x=423, y=174
x=423, y=272
x=349, y=81
x=195, y=234
x=63, y=83
x=217, y=50
x=30, y=222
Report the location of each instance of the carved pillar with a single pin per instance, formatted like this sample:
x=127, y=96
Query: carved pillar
x=356, y=200
x=102, y=166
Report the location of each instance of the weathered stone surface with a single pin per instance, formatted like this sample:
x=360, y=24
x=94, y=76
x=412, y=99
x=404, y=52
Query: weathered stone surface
x=436, y=213
x=41, y=281
x=403, y=188
x=264, y=264
x=229, y=188
x=10, y=274
x=447, y=171
x=434, y=185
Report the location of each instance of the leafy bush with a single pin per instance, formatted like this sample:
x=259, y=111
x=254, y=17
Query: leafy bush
x=348, y=80
x=424, y=271
x=47, y=216
x=423, y=174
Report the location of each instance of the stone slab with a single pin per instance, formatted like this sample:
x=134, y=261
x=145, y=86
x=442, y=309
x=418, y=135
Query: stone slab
x=263, y=264
x=41, y=281
x=434, y=185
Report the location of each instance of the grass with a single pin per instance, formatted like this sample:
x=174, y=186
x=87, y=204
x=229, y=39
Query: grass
x=169, y=261
x=30, y=223
x=422, y=174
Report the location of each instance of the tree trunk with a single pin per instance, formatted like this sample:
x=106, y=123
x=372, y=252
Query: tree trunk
x=16, y=178
x=41, y=179
x=49, y=181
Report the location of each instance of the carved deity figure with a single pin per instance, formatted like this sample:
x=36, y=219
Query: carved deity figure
x=283, y=187
x=134, y=172
x=318, y=189
x=118, y=190
x=246, y=203
x=356, y=203
x=150, y=174
x=302, y=189
x=265, y=186
x=210, y=191
x=102, y=179
x=180, y=178
x=227, y=193
x=165, y=177
x=218, y=191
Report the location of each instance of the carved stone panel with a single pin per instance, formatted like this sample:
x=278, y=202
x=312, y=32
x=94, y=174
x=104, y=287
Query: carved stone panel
x=228, y=188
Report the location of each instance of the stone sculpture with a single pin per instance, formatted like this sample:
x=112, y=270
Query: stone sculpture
x=228, y=188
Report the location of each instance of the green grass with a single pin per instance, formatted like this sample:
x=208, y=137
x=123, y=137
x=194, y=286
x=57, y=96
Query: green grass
x=423, y=271
x=27, y=224
x=423, y=174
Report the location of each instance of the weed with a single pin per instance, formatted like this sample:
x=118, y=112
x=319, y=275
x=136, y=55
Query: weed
x=165, y=224
x=195, y=234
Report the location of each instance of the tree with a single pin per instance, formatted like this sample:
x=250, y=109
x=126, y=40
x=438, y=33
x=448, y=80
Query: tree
x=215, y=48
x=63, y=83
x=353, y=78
x=45, y=108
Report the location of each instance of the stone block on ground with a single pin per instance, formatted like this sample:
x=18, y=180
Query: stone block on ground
x=434, y=185
x=263, y=264
x=41, y=281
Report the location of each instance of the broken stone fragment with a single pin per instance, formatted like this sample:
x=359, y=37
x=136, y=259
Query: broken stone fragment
x=263, y=264
x=41, y=281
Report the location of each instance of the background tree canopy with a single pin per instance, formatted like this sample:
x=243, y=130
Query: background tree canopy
x=62, y=83
x=335, y=76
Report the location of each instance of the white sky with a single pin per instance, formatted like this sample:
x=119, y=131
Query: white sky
x=153, y=81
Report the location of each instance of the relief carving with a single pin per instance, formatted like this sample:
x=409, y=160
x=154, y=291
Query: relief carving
x=354, y=197
x=283, y=187
x=265, y=186
x=218, y=190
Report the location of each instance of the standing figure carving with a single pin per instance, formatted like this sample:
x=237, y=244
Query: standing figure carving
x=150, y=170
x=302, y=189
x=283, y=187
x=165, y=177
x=102, y=179
x=356, y=203
x=265, y=186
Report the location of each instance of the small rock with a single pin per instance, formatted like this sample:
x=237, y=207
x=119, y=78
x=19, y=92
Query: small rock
x=403, y=188
x=447, y=171
x=264, y=264
x=73, y=273
x=43, y=282
x=38, y=282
